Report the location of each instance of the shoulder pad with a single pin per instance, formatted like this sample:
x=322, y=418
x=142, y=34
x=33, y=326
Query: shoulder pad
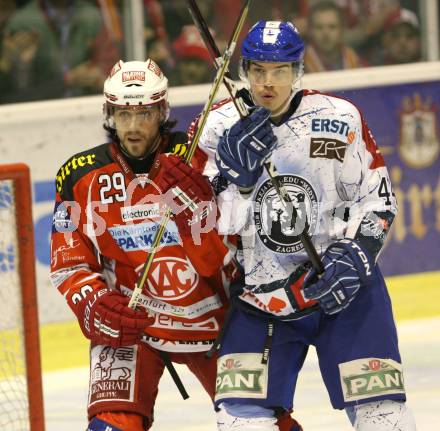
x=79, y=165
x=178, y=143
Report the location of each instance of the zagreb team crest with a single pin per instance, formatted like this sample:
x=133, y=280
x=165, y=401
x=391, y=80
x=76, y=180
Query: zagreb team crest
x=278, y=224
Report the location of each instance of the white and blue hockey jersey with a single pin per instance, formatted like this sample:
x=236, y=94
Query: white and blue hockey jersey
x=327, y=159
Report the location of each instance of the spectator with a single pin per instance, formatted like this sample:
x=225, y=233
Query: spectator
x=273, y=10
x=194, y=65
x=401, y=41
x=165, y=20
x=7, y=8
x=269, y=10
x=156, y=35
x=366, y=20
x=50, y=50
x=326, y=49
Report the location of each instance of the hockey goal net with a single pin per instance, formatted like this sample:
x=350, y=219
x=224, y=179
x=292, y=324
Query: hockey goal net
x=21, y=401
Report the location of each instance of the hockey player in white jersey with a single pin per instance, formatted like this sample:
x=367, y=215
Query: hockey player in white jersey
x=340, y=192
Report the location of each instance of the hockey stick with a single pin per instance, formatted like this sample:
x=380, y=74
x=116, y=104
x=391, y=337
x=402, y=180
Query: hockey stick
x=225, y=60
x=137, y=291
x=243, y=111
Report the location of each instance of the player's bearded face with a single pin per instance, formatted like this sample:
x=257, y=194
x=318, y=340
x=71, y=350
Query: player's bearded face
x=271, y=84
x=138, y=129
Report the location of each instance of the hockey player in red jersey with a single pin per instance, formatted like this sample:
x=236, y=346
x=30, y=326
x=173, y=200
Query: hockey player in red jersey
x=339, y=192
x=109, y=203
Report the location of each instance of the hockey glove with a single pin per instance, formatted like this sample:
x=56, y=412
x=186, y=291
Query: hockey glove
x=105, y=318
x=244, y=148
x=346, y=267
x=192, y=198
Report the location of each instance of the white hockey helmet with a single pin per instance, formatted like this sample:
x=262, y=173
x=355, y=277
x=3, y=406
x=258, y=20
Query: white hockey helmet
x=135, y=84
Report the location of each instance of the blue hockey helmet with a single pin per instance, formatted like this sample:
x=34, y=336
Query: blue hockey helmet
x=273, y=41
x=277, y=42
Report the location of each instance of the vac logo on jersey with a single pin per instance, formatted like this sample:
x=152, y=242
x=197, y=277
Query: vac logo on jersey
x=170, y=278
x=141, y=236
x=241, y=375
x=370, y=377
x=279, y=224
x=324, y=148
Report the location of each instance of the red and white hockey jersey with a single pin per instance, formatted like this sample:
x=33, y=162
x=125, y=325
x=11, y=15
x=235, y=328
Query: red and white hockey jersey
x=104, y=224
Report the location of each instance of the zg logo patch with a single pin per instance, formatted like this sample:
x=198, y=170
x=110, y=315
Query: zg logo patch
x=370, y=377
x=326, y=148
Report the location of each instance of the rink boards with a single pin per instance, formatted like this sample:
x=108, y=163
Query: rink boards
x=399, y=103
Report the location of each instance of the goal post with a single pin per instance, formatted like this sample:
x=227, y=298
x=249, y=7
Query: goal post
x=21, y=394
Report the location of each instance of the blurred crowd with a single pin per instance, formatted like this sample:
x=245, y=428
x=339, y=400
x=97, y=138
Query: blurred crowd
x=63, y=48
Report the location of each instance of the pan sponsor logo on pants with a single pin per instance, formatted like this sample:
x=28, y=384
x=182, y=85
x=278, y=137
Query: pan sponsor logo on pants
x=370, y=377
x=241, y=375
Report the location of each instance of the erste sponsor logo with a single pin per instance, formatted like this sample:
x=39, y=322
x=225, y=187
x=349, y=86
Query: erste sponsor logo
x=328, y=125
